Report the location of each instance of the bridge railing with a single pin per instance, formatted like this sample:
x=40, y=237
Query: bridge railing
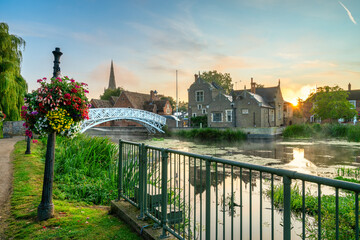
x=194, y=196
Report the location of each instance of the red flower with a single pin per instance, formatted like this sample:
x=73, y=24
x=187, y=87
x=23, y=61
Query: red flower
x=73, y=90
x=67, y=96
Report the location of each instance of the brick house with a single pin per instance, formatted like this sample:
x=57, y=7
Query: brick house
x=257, y=107
x=353, y=98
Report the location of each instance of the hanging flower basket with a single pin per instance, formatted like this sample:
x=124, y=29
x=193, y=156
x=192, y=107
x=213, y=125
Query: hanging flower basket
x=59, y=105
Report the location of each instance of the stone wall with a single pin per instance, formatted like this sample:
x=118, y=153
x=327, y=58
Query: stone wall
x=13, y=128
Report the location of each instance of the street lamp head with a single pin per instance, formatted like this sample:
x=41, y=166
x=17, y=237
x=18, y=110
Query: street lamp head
x=57, y=55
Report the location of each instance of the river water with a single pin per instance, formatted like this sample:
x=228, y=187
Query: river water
x=320, y=158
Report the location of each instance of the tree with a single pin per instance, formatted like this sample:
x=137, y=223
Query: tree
x=13, y=87
x=259, y=85
x=222, y=79
x=111, y=92
x=331, y=103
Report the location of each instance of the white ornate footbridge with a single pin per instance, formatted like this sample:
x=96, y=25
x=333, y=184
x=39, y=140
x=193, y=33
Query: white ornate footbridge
x=153, y=122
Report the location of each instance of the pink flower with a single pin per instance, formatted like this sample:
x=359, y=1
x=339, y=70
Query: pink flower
x=35, y=141
x=67, y=96
x=77, y=86
x=73, y=90
x=23, y=107
x=86, y=91
x=72, y=80
x=84, y=84
x=44, y=78
x=28, y=133
x=39, y=80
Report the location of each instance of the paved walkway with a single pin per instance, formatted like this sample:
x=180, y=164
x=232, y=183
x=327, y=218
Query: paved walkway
x=6, y=175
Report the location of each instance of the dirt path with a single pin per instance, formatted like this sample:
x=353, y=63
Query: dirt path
x=6, y=174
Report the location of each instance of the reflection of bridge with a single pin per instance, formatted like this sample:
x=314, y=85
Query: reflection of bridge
x=153, y=122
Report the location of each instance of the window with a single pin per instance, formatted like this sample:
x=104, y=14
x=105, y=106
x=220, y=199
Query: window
x=199, y=106
x=272, y=115
x=204, y=111
x=199, y=96
x=194, y=114
x=217, y=117
x=229, y=115
x=245, y=111
x=353, y=102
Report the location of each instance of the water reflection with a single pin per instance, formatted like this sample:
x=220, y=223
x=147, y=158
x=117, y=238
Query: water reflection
x=300, y=163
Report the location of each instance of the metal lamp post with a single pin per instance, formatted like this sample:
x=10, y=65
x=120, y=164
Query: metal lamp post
x=46, y=207
x=28, y=141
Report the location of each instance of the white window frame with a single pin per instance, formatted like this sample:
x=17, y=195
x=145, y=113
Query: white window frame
x=213, y=114
x=199, y=106
x=229, y=113
x=353, y=102
x=204, y=111
x=272, y=115
x=198, y=95
x=245, y=111
x=194, y=115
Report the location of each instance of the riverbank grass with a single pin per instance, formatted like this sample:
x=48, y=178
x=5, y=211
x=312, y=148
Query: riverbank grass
x=212, y=134
x=342, y=131
x=73, y=219
x=347, y=219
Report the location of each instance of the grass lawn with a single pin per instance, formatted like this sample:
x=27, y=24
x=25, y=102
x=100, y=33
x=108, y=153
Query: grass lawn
x=73, y=220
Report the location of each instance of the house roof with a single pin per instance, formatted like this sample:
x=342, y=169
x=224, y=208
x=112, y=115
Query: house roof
x=268, y=94
x=354, y=95
x=113, y=99
x=137, y=99
x=98, y=103
x=260, y=99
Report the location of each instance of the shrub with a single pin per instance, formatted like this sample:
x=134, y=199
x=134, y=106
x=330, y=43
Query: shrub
x=212, y=134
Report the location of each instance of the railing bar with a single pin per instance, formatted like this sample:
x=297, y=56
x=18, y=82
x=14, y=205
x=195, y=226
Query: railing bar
x=303, y=210
x=250, y=202
x=179, y=187
x=357, y=215
x=189, y=226
x=171, y=180
x=201, y=190
x=224, y=201
x=184, y=186
x=194, y=197
x=232, y=202
x=261, y=206
x=272, y=206
x=241, y=204
x=337, y=212
x=319, y=212
x=216, y=201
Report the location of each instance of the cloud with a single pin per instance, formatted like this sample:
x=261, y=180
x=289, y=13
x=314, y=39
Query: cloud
x=348, y=12
x=313, y=64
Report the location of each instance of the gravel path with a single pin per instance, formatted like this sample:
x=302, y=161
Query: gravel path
x=6, y=175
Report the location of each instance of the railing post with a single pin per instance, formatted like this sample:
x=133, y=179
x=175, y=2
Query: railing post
x=287, y=208
x=141, y=182
x=120, y=170
x=208, y=201
x=144, y=160
x=164, y=194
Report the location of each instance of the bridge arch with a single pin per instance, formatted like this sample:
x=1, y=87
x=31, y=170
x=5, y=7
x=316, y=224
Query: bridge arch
x=153, y=122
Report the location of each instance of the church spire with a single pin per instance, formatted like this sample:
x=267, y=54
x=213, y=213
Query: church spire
x=112, y=83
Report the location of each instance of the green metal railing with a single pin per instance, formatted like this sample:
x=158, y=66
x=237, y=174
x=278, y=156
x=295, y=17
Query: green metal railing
x=193, y=196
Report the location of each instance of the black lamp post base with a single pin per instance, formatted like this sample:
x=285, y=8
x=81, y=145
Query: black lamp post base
x=28, y=140
x=45, y=211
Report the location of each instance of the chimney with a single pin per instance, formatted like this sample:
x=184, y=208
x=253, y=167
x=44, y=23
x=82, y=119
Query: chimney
x=196, y=77
x=349, y=87
x=253, y=89
x=152, y=95
x=244, y=87
x=279, y=82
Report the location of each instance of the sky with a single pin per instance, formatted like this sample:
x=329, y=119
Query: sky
x=304, y=43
